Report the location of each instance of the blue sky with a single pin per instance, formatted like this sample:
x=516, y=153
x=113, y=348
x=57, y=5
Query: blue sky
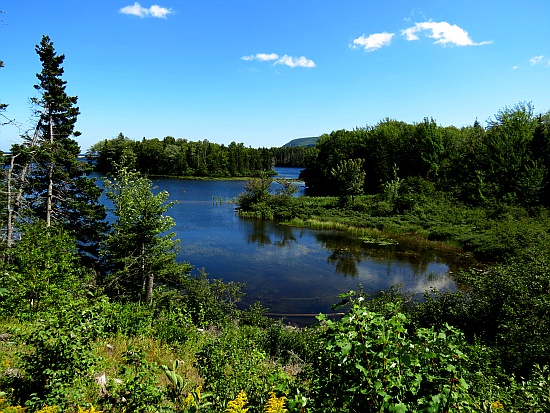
x=264, y=72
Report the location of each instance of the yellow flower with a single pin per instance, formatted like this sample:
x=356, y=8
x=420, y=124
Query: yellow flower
x=193, y=398
x=48, y=409
x=497, y=405
x=13, y=409
x=237, y=405
x=90, y=410
x=275, y=404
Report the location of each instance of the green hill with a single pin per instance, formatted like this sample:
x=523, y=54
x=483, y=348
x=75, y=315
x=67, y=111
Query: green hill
x=308, y=142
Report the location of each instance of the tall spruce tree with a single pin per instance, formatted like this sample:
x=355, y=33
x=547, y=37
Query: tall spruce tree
x=54, y=183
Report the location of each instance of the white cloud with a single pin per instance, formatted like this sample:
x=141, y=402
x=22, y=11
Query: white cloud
x=295, y=61
x=283, y=60
x=374, y=41
x=516, y=67
x=154, y=11
x=443, y=32
x=535, y=60
x=261, y=56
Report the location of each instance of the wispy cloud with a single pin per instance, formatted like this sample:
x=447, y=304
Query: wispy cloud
x=154, y=11
x=536, y=60
x=261, y=56
x=443, y=32
x=295, y=61
x=287, y=60
x=374, y=41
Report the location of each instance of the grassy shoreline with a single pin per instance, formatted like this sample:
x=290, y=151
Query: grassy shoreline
x=494, y=233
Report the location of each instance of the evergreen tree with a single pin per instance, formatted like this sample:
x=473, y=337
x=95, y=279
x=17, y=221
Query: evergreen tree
x=53, y=181
x=139, y=251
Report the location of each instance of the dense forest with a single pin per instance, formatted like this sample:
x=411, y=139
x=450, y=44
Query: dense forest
x=508, y=160
x=98, y=316
x=180, y=157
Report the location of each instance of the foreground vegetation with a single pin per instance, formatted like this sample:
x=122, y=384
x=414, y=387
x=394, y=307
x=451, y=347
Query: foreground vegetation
x=98, y=316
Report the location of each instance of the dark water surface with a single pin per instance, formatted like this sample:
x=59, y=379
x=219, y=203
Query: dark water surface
x=292, y=270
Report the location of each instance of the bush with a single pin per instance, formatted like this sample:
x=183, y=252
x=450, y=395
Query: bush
x=58, y=353
x=234, y=361
x=506, y=308
x=371, y=362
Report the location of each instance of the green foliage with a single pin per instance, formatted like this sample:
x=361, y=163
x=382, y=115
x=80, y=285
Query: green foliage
x=256, y=190
x=373, y=359
x=507, y=161
x=372, y=362
x=208, y=301
x=139, y=391
x=52, y=182
x=180, y=157
x=505, y=308
x=139, y=251
x=45, y=271
x=232, y=361
x=349, y=176
x=184, y=400
x=507, y=156
x=58, y=353
x=428, y=141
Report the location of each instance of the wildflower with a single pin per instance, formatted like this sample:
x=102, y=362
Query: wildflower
x=237, y=405
x=497, y=405
x=193, y=398
x=275, y=404
x=90, y=410
x=48, y=409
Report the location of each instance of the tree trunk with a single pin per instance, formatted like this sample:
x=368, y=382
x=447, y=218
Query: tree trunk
x=49, y=200
x=10, y=224
x=149, y=288
x=25, y=170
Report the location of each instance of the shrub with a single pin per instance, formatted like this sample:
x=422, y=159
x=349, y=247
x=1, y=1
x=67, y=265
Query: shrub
x=233, y=361
x=506, y=308
x=371, y=362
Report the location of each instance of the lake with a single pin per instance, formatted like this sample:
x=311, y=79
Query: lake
x=292, y=270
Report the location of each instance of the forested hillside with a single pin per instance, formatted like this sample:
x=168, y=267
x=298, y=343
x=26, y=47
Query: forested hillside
x=308, y=142
x=180, y=157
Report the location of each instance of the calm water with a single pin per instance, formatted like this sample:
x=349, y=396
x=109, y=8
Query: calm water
x=291, y=270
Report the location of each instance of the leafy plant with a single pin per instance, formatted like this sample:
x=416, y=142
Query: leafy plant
x=188, y=401
x=372, y=362
x=139, y=391
x=232, y=362
x=59, y=353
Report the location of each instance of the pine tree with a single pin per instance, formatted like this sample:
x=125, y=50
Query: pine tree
x=54, y=182
x=139, y=251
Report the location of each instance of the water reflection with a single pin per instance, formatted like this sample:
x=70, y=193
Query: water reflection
x=292, y=270
x=264, y=233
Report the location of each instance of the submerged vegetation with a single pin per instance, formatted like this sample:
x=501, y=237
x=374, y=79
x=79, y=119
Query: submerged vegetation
x=98, y=316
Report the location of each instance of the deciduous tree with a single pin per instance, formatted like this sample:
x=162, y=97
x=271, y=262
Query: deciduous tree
x=349, y=176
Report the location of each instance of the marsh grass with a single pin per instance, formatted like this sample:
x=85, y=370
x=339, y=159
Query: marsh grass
x=494, y=233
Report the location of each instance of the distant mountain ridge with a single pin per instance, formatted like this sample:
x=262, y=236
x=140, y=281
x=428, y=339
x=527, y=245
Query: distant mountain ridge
x=307, y=142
